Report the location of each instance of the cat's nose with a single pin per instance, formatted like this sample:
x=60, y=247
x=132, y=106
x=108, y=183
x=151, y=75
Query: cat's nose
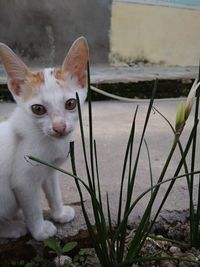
x=59, y=128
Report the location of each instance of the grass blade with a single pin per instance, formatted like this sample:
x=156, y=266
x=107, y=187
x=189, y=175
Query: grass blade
x=150, y=165
x=97, y=172
x=83, y=141
x=128, y=149
x=90, y=127
x=133, y=176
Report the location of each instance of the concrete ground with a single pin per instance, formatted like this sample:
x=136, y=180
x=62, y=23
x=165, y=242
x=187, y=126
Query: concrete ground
x=112, y=122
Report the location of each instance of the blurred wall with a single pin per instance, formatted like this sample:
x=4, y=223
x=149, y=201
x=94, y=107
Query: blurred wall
x=41, y=31
x=165, y=33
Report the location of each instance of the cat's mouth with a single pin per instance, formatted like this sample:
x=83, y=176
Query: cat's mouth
x=59, y=135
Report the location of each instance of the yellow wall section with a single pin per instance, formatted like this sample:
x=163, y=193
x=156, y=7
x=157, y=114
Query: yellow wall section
x=155, y=34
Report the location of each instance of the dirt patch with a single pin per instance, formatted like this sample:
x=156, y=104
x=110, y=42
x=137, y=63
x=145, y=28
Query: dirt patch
x=171, y=225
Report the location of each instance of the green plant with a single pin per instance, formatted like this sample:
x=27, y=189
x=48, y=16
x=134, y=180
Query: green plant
x=55, y=247
x=18, y=263
x=37, y=261
x=182, y=115
x=110, y=246
x=81, y=256
x=109, y=241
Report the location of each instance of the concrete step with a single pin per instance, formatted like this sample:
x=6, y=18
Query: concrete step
x=133, y=81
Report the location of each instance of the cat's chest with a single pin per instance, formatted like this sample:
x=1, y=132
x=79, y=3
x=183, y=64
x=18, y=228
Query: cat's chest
x=54, y=151
x=48, y=149
x=61, y=151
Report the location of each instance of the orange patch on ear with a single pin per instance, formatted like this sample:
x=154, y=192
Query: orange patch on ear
x=15, y=85
x=83, y=79
x=32, y=84
x=76, y=60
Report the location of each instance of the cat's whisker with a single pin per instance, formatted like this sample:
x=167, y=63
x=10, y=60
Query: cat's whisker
x=26, y=157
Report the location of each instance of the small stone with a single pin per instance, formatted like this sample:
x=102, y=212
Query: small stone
x=160, y=236
x=191, y=256
x=175, y=250
x=59, y=261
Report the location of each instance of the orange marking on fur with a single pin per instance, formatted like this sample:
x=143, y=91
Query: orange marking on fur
x=60, y=74
x=61, y=77
x=38, y=77
x=32, y=84
x=60, y=83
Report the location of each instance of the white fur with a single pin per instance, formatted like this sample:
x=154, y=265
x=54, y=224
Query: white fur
x=25, y=133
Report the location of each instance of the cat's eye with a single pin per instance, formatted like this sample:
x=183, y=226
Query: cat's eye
x=38, y=109
x=70, y=104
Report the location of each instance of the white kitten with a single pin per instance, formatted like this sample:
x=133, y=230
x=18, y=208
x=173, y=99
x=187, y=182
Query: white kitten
x=40, y=126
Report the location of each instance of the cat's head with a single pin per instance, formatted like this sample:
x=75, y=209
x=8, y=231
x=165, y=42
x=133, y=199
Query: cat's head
x=49, y=95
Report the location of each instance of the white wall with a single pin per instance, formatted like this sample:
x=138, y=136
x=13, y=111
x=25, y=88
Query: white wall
x=154, y=33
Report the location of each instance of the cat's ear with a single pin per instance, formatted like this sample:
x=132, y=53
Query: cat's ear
x=15, y=68
x=76, y=60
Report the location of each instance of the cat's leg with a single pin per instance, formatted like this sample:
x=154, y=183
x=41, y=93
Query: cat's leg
x=29, y=198
x=19, y=215
x=10, y=225
x=59, y=212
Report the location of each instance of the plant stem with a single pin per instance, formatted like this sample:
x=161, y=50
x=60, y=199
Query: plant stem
x=194, y=221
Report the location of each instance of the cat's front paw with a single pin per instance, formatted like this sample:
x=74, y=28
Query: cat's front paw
x=47, y=230
x=66, y=215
